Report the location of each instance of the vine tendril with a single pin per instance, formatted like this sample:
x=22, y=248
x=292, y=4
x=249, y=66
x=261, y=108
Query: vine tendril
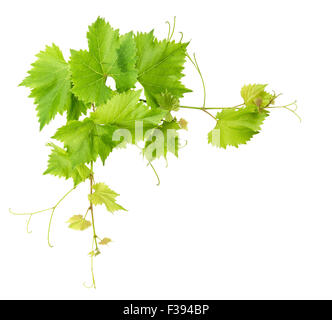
x=41, y=211
x=289, y=109
x=28, y=223
x=155, y=172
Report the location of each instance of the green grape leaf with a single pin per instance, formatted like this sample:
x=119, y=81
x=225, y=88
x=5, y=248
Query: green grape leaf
x=105, y=241
x=162, y=140
x=50, y=84
x=104, y=195
x=235, y=127
x=78, y=223
x=255, y=95
x=109, y=55
x=103, y=41
x=88, y=78
x=60, y=165
x=124, y=109
x=85, y=140
x=76, y=109
x=160, y=65
x=124, y=71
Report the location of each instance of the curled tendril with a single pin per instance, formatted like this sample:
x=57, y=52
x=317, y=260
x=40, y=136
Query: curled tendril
x=194, y=62
x=155, y=172
x=287, y=107
x=169, y=29
x=41, y=211
x=170, y=34
x=174, y=23
x=181, y=36
x=28, y=223
x=49, y=228
x=183, y=146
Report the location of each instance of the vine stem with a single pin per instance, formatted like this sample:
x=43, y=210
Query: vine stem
x=91, y=208
x=213, y=108
x=204, y=109
x=94, y=239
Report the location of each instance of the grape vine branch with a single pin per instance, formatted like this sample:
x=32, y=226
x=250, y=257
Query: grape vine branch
x=101, y=119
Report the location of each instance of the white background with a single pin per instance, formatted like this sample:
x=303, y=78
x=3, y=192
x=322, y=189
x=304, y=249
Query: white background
x=247, y=223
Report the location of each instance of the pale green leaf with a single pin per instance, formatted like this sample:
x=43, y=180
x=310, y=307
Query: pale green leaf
x=105, y=241
x=75, y=218
x=104, y=195
x=78, y=223
x=255, y=95
x=235, y=127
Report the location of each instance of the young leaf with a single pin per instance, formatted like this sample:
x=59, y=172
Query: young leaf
x=168, y=102
x=162, y=140
x=50, y=84
x=59, y=164
x=160, y=65
x=235, y=127
x=77, y=222
x=255, y=95
x=183, y=123
x=104, y=195
x=105, y=241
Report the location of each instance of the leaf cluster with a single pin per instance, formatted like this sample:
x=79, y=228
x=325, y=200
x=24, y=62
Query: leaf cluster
x=80, y=87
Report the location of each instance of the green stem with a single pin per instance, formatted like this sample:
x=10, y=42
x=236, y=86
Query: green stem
x=212, y=108
x=92, y=254
x=92, y=271
x=87, y=211
x=94, y=239
x=91, y=208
